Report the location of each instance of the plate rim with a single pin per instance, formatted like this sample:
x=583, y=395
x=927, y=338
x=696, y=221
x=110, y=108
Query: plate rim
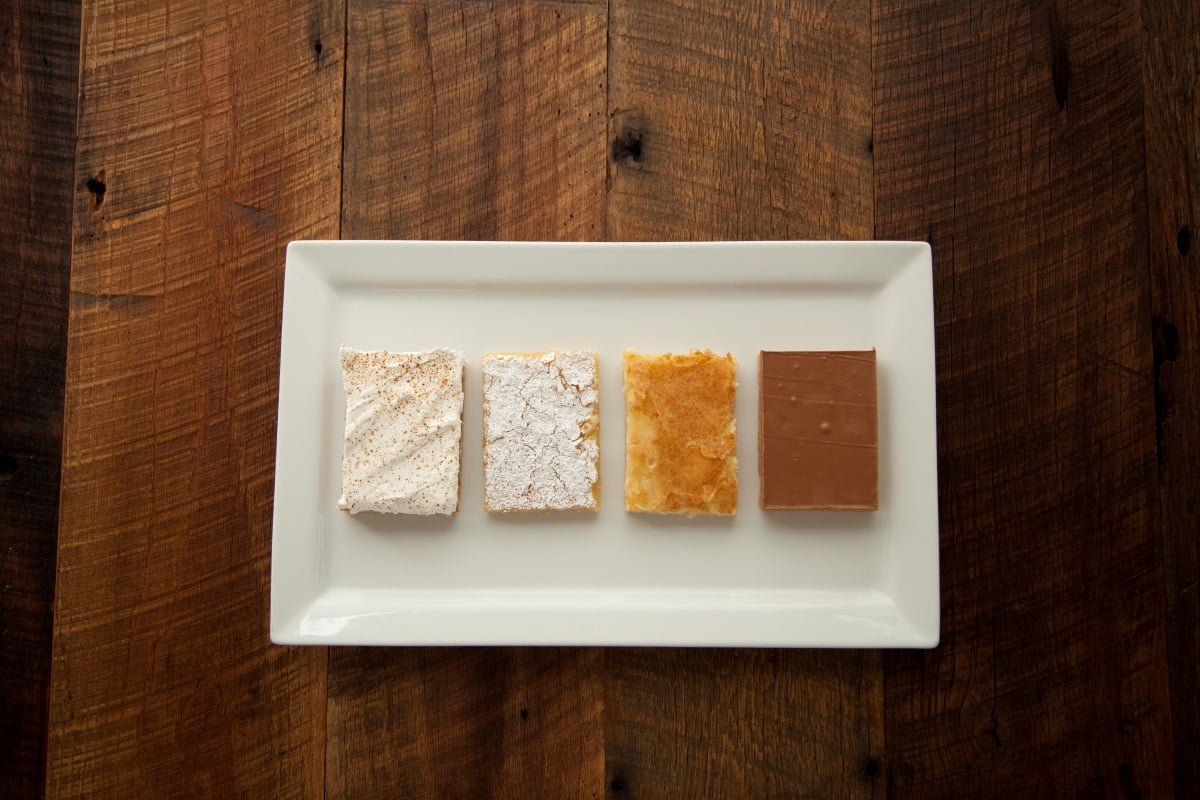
x=295, y=621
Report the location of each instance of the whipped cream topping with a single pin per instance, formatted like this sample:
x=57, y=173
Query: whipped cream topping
x=539, y=412
x=403, y=431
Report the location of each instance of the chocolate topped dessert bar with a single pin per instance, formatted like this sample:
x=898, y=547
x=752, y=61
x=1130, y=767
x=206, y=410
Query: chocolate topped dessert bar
x=818, y=445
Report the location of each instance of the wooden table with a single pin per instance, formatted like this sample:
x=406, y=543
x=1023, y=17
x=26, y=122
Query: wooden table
x=158, y=156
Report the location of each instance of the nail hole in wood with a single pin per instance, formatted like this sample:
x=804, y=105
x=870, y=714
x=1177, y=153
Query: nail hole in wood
x=97, y=186
x=8, y=467
x=1166, y=341
x=627, y=147
x=317, y=47
x=1125, y=771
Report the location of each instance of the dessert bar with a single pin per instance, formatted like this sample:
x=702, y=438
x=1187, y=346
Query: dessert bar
x=818, y=430
x=680, y=434
x=541, y=431
x=403, y=437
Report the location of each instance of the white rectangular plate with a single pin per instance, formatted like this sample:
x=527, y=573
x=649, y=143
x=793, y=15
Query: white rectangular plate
x=779, y=579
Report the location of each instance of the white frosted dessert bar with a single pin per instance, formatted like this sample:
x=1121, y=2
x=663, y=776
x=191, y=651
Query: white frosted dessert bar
x=541, y=431
x=403, y=431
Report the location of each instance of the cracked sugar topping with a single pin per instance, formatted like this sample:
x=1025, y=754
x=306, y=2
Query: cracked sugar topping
x=403, y=431
x=540, y=426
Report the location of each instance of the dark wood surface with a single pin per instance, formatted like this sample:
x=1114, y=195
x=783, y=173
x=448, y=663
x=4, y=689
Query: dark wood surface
x=216, y=128
x=157, y=158
x=1052, y=673
x=39, y=63
x=1171, y=70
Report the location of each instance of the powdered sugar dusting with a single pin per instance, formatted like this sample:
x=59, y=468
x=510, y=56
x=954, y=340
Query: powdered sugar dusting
x=540, y=451
x=403, y=431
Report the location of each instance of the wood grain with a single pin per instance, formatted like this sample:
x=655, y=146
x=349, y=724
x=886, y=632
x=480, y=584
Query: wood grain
x=39, y=69
x=475, y=121
x=741, y=121
x=465, y=723
x=209, y=136
x=1171, y=72
x=1010, y=135
x=747, y=120
x=471, y=121
x=743, y=723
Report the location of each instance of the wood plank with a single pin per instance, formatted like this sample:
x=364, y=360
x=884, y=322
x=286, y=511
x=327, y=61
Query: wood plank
x=744, y=723
x=471, y=121
x=474, y=121
x=39, y=79
x=209, y=136
x=1010, y=136
x=749, y=120
x=741, y=121
x=1171, y=79
x=465, y=722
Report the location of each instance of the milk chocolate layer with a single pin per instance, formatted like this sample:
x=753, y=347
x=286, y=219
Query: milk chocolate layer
x=818, y=428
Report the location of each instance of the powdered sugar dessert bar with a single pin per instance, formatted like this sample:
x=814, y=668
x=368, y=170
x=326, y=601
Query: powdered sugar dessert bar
x=540, y=431
x=403, y=431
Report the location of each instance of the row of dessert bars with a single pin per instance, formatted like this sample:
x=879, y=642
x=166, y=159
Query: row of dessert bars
x=818, y=431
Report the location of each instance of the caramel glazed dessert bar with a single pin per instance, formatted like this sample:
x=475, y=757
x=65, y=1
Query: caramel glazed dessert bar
x=679, y=433
x=403, y=439
x=541, y=445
